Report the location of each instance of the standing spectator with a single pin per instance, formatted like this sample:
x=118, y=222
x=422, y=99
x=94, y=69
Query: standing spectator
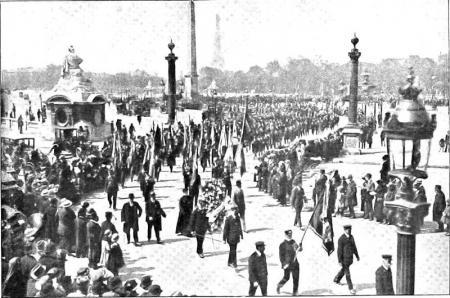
x=185, y=206
x=111, y=188
x=438, y=207
x=131, y=131
x=257, y=270
x=380, y=190
x=107, y=224
x=199, y=224
x=297, y=200
x=446, y=218
x=239, y=201
x=81, y=246
x=370, y=192
x=195, y=186
x=383, y=277
x=39, y=114
x=282, y=185
x=289, y=263
x=66, y=225
x=94, y=239
x=350, y=195
x=441, y=145
x=334, y=183
x=20, y=124
x=131, y=211
x=106, y=247
x=14, y=111
x=153, y=213
x=50, y=222
x=232, y=233
x=15, y=284
x=346, y=250
x=385, y=169
x=115, y=260
x=319, y=187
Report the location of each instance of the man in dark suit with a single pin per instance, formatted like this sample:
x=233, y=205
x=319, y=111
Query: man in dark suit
x=232, y=233
x=319, y=187
x=93, y=231
x=383, y=277
x=345, y=252
x=199, y=224
x=289, y=262
x=131, y=211
x=257, y=270
x=239, y=201
x=153, y=213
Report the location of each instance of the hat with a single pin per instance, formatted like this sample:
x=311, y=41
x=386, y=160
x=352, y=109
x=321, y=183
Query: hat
x=130, y=285
x=131, y=196
x=418, y=182
x=114, y=283
x=65, y=203
x=259, y=243
x=37, y=271
x=146, y=281
x=288, y=232
x=346, y=227
x=85, y=205
x=385, y=157
x=83, y=271
x=155, y=289
x=108, y=213
x=350, y=176
x=115, y=237
x=387, y=257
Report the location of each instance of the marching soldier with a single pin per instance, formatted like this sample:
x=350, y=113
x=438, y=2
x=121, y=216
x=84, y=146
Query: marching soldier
x=289, y=262
x=383, y=277
x=257, y=270
x=346, y=250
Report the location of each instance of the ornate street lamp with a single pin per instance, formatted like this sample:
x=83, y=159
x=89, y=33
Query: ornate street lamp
x=408, y=132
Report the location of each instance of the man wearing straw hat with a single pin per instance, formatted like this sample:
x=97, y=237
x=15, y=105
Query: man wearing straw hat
x=65, y=218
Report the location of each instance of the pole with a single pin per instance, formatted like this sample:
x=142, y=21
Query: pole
x=171, y=100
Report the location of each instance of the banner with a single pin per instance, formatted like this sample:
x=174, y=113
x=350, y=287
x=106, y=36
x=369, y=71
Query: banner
x=321, y=224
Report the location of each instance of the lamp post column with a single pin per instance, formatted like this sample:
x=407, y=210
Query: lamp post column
x=354, y=55
x=171, y=96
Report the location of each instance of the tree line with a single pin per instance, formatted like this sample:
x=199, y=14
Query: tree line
x=298, y=75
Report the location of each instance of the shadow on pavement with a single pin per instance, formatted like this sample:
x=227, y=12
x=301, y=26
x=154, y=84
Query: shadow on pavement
x=316, y=292
x=258, y=230
x=216, y=253
x=360, y=287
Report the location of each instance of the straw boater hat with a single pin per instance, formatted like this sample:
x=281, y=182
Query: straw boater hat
x=65, y=203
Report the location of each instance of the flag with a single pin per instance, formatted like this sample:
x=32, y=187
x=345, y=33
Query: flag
x=222, y=141
x=321, y=224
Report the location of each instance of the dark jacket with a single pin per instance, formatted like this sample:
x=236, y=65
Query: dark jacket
x=94, y=241
x=239, y=200
x=297, y=197
x=346, y=250
x=50, y=223
x=257, y=268
x=288, y=251
x=130, y=216
x=184, y=215
x=107, y=225
x=232, y=231
x=199, y=222
x=438, y=206
x=153, y=213
x=383, y=281
x=66, y=221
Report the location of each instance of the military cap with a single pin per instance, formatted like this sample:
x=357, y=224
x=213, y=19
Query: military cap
x=288, y=232
x=387, y=257
x=346, y=227
x=259, y=243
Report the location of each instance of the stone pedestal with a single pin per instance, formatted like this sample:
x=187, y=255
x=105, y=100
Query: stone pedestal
x=351, y=140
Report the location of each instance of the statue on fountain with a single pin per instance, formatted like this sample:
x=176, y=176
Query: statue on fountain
x=72, y=77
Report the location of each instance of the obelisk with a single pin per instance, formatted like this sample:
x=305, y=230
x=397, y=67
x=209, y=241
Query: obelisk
x=192, y=77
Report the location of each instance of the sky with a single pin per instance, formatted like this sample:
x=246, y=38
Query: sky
x=124, y=36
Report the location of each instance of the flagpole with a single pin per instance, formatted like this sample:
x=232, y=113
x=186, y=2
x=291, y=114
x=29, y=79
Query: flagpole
x=309, y=221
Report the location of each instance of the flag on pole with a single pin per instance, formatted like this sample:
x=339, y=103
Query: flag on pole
x=321, y=224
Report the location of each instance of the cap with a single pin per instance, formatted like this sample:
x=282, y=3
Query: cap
x=130, y=285
x=83, y=271
x=146, y=281
x=259, y=243
x=131, y=196
x=346, y=227
x=114, y=283
x=387, y=257
x=288, y=232
x=108, y=213
x=155, y=289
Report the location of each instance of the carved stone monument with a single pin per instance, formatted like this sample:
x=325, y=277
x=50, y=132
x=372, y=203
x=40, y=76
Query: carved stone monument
x=74, y=102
